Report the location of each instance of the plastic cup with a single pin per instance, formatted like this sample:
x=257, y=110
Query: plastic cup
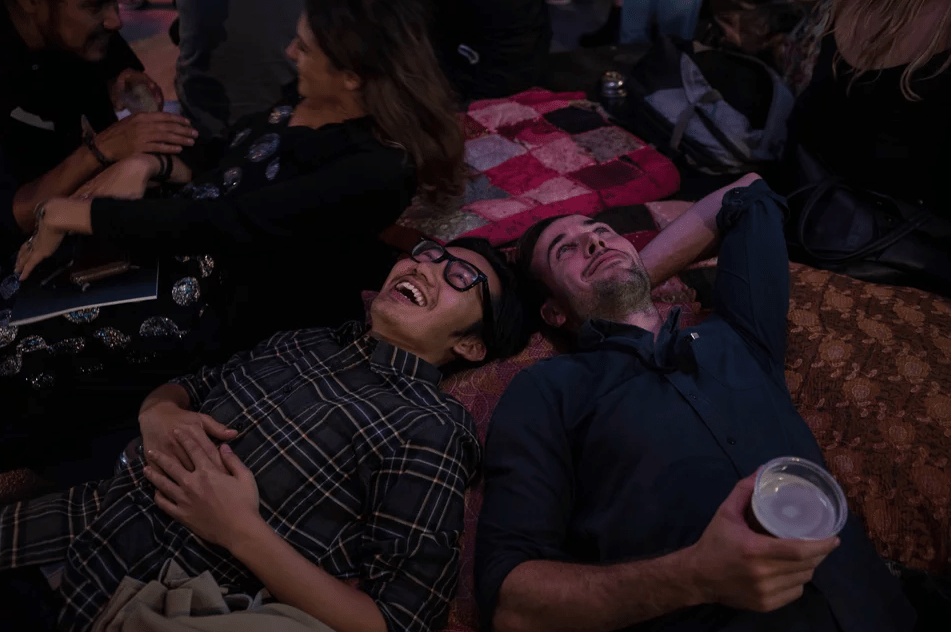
x=795, y=498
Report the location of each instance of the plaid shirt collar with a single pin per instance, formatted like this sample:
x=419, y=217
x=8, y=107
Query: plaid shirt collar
x=385, y=357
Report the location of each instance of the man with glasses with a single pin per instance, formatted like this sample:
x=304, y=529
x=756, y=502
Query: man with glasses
x=340, y=460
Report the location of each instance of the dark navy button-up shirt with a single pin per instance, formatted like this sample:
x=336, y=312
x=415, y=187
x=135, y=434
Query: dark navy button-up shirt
x=626, y=448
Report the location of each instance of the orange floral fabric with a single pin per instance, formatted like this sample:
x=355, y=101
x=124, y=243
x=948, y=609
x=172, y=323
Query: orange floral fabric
x=869, y=368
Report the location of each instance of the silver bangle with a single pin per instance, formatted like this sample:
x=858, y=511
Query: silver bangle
x=39, y=212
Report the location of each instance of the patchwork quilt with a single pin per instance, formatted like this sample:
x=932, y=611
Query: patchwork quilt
x=539, y=154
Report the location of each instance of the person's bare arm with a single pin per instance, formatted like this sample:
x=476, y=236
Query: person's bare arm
x=557, y=596
x=60, y=181
x=691, y=237
x=730, y=564
x=138, y=134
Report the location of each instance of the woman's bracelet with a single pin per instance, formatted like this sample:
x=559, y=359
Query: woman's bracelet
x=165, y=167
x=39, y=212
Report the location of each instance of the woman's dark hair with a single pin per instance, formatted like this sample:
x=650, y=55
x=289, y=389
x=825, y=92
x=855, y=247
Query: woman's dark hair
x=386, y=44
x=510, y=331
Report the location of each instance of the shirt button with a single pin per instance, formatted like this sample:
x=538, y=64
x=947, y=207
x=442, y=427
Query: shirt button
x=731, y=440
x=288, y=389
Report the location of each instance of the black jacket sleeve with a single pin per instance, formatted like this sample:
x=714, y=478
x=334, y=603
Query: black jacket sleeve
x=358, y=194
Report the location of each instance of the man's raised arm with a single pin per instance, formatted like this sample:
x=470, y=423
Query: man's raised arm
x=690, y=237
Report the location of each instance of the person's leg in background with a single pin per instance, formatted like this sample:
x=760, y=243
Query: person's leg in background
x=609, y=33
x=678, y=17
x=640, y=18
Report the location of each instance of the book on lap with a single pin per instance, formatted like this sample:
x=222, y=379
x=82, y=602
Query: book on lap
x=35, y=302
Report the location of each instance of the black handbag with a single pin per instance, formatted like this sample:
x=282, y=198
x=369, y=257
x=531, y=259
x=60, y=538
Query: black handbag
x=864, y=234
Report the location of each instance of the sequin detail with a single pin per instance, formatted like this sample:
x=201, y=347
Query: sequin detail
x=9, y=287
x=206, y=191
x=273, y=167
x=207, y=265
x=182, y=258
x=82, y=316
x=160, y=326
x=239, y=138
x=11, y=366
x=279, y=113
x=31, y=344
x=112, y=337
x=5, y=315
x=186, y=291
x=7, y=335
x=42, y=381
x=69, y=345
x=91, y=368
x=231, y=179
x=264, y=147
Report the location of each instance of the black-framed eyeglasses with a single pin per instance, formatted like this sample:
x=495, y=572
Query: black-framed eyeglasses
x=458, y=273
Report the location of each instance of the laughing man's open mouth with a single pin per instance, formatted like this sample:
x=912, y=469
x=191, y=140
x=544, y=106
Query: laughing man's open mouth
x=410, y=291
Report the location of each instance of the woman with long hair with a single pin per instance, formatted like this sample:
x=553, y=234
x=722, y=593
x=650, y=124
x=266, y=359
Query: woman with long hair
x=876, y=108
x=274, y=228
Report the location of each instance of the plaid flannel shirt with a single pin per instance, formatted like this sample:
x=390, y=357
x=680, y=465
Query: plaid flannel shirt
x=361, y=462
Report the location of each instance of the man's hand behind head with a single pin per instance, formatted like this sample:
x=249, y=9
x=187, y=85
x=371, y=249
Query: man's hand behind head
x=740, y=568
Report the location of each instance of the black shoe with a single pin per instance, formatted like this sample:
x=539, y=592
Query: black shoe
x=608, y=34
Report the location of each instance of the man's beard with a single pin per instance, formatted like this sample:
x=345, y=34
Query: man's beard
x=617, y=297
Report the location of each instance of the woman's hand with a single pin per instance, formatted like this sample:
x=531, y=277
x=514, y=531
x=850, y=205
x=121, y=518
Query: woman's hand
x=126, y=179
x=48, y=234
x=215, y=503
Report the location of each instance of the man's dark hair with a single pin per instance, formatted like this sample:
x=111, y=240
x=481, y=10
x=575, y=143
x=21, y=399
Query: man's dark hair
x=534, y=290
x=510, y=331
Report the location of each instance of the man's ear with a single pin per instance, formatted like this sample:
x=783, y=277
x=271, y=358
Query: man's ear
x=470, y=348
x=552, y=314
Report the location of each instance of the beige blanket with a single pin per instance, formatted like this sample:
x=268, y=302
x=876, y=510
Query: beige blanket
x=176, y=602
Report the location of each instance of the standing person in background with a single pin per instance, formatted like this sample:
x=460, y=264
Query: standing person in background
x=231, y=60
x=636, y=21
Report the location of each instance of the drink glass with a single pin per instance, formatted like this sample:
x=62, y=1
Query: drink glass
x=795, y=498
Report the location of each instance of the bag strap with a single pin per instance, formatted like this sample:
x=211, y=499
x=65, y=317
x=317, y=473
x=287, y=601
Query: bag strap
x=827, y=186
x=677, y=135
x=687, y=115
